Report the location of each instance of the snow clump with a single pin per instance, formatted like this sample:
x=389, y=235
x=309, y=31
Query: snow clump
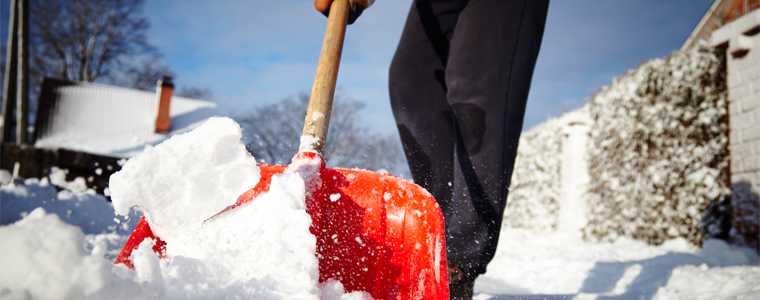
x=261, y=249
x=186, y=179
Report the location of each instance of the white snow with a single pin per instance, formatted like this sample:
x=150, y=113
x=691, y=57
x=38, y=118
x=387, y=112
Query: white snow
x=316, y=115
x=48, y=255
x=532, y=265
x=92, y=213
x=263, y=250
x=527, y=265
x=334, y=197
x=43, y=257
x=58, y=178
x=307, y=143
x=5, y=177
x=187, y=179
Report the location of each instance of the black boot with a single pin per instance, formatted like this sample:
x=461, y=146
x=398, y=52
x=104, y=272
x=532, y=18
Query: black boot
x=460, y=285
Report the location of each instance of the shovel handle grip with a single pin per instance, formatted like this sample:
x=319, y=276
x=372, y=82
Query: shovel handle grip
x=317, y=121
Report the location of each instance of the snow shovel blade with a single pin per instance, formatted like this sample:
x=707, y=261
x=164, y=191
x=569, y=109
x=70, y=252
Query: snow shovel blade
x=382, y=235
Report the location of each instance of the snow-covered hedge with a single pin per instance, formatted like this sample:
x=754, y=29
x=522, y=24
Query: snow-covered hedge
x=534, y=192
x=659, y=153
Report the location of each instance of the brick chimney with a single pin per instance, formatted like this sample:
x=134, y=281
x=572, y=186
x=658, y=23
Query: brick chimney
x=164, y=94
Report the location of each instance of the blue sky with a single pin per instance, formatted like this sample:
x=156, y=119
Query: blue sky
x=253, y=52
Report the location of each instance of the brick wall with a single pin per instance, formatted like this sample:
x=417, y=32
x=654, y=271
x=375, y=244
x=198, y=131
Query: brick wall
x=741, y=40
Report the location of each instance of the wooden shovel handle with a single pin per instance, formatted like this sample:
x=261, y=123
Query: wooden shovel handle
x=317, y=120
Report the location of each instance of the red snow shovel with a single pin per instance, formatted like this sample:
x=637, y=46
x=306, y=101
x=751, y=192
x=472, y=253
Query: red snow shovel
x=383, y=235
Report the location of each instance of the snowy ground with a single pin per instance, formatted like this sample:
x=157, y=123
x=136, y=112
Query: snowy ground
x=526, y=266
x=552, y=266
x=83, y=208
x=61, y=244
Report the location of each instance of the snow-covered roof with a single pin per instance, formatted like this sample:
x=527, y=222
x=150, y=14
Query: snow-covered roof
x=109, y=120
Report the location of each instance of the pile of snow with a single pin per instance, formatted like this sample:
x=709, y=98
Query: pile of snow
x=93, y=214
x=85, y=209
x=261, y=249
x=659, y=149
x=43, y=257
x=186, y=179
x=528, y=265
x=533, y=200
x=244, y=246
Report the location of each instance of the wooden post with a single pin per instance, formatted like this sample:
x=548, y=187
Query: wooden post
x=16, y=85
x=10, y=85
x=22, y=83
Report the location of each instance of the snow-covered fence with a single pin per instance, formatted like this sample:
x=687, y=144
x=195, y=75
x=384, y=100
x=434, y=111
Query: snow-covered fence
x=659, y=152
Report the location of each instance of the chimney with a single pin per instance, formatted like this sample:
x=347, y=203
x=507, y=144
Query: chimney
x=164, y=93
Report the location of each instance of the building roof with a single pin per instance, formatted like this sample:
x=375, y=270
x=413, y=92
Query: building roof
x=721, y=12
x=109, y=120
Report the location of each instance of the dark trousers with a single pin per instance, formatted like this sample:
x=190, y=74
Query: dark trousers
x=459, y=82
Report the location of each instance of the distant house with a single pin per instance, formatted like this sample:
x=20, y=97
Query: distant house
x=88, y=129
x=109, y=120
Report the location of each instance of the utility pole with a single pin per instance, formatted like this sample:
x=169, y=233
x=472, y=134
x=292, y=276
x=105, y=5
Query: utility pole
x=16, y=92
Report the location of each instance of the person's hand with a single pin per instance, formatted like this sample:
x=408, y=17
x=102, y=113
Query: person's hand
x=322, y=5
x=357, y=7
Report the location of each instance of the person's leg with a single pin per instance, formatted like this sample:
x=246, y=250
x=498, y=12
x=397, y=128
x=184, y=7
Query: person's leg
x=492, y=55
x=418, y=94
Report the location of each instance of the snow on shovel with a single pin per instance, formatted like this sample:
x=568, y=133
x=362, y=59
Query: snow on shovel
x=375, y=232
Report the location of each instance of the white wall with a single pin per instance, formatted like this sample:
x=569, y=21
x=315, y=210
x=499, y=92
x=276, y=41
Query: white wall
x=574, y=174
x=743, y=66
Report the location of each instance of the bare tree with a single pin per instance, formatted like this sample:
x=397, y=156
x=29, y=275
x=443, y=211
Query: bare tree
x=88, y=40
x=83, y=39
x=196, y=93
x=141, y=72
x=272, y=134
